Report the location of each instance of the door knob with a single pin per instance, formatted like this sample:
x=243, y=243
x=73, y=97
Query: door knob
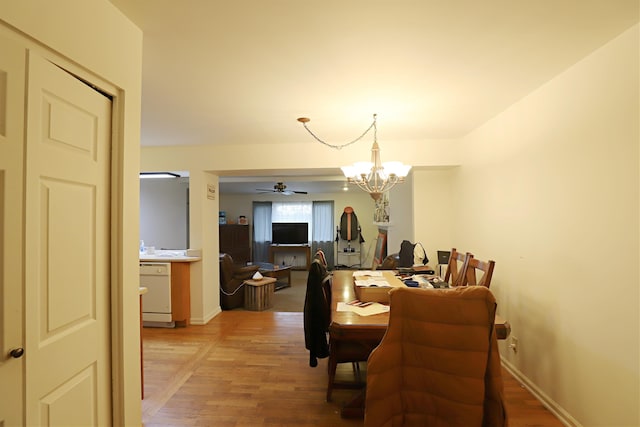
x=16, y=353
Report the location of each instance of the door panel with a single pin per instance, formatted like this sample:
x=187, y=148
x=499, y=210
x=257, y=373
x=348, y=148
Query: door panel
x=12, y=87
x=67, y=322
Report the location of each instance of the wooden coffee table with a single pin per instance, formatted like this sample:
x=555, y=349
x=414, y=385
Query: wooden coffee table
x=277, y=272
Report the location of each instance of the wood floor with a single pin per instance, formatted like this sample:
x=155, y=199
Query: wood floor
x=251, y=369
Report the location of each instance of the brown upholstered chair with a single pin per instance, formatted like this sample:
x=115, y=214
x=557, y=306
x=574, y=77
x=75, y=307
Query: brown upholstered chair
x=438, y=364
x=232, y=278
x=473, y=267
x=457, y=267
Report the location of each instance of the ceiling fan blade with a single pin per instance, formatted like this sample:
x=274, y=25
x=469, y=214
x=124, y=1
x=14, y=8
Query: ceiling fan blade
x=280, y=188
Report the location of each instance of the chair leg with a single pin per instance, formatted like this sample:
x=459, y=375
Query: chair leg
x=332, y=375
x=356, y=369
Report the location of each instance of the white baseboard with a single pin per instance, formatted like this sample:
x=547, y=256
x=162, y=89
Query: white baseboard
x=553, y=407
x=207, y=318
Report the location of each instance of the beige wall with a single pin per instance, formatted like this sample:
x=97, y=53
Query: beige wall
x=302, y=156
x=95, y=41
x=549, y=190
x=432, y=215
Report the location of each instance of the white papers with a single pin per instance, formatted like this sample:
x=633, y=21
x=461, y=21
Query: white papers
x=370, y=278
x=373, y=308
x=370, y=273
x=373, y=282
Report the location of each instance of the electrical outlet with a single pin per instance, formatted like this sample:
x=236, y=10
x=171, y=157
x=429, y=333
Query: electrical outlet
x=514, y=344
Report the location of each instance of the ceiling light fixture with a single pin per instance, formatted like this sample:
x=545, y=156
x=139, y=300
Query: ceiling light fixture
x=374, y=177
x=159, y=175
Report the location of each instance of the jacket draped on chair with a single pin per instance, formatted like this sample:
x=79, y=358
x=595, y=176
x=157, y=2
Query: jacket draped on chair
x=438, y=363
x=317, y=312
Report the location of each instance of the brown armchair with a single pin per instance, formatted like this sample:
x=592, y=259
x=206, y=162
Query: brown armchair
x=232, y=278
x=438, y=363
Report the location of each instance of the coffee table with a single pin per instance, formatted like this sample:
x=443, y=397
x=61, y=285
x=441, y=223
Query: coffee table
x=277, y=272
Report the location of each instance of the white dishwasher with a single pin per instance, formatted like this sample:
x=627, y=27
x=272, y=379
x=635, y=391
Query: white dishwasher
x=156, y=303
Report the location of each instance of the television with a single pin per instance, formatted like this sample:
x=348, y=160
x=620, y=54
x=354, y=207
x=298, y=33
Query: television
x=289, y=233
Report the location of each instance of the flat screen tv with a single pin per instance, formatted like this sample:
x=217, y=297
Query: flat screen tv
x=290, y=233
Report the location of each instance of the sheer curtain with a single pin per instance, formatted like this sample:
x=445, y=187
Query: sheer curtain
x=261, y=231
x=322, y=230
x=293, y=212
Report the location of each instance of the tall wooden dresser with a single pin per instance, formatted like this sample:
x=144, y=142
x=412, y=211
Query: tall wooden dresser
x=235, y=240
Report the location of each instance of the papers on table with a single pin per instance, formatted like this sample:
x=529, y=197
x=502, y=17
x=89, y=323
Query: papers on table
x=367, y=310
x=368, y=273
x=373, y=282
x=366, y=278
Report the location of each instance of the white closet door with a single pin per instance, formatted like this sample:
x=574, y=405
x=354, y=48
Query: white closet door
x=67, y=295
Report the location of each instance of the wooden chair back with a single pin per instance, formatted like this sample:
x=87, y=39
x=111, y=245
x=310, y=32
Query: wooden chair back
x=473, y=267
x=457, y=268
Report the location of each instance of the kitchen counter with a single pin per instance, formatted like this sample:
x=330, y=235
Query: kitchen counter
x=168, y=256
x=165, y=258
x=180, y=280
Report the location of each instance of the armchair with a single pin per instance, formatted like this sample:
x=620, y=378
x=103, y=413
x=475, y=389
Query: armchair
x=438, y=363
x=232, y=278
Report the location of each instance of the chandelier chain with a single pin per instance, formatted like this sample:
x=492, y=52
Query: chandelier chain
x=373, y=177
x=340, y=146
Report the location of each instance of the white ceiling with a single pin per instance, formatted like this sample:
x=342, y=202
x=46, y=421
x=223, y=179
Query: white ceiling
x=242, y=72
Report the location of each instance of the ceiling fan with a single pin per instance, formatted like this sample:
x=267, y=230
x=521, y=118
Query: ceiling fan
x=281, y=188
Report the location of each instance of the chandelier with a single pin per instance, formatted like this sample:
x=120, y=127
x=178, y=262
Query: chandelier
x=374, y=177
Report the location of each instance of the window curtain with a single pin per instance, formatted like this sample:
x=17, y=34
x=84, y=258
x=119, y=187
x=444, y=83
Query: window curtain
x=261, y=231
x=322, y=230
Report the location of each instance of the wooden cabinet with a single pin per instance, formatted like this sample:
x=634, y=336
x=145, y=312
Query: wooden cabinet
x=235, y=240
x=181, y=293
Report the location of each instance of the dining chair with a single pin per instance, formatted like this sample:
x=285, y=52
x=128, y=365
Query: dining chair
x=389, y=263
x=347, y=350
x=438, y=363
x=317, y=320
x=474, y=266
x=457, y=268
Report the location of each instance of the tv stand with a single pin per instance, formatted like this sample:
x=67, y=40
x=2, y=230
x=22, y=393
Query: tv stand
x=291, y=248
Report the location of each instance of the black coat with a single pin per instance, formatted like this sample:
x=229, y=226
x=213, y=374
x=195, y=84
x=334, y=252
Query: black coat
x=317, y=312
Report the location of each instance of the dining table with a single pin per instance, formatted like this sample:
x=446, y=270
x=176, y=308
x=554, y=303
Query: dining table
x=349, y=323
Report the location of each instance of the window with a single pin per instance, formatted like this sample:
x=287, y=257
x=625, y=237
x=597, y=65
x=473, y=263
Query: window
x=319, y=216
x=293, y=212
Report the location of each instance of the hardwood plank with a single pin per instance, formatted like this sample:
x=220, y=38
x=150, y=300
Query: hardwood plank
x=251, y=369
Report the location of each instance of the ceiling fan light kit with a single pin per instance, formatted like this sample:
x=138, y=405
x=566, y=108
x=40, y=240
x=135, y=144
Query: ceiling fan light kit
x=374, y=177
